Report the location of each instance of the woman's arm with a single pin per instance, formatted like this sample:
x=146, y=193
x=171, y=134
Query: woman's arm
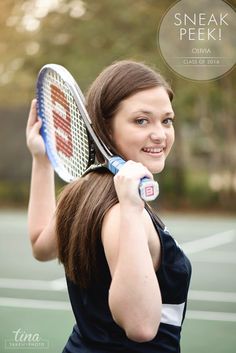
x=42, y=204
x=134, y=296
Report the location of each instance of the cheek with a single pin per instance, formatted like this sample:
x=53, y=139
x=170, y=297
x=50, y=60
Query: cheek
x=120, y=141
x=171, y=138
x=127, y=145
x=124, y=137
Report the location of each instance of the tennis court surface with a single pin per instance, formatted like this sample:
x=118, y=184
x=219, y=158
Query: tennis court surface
x=35, y=314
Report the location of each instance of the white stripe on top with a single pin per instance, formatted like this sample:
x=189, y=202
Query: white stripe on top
x=172, y=314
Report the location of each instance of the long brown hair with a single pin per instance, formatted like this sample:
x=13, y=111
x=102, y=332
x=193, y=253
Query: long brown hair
x=84, y=203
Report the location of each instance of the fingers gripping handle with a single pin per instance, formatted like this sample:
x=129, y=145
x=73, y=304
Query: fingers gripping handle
x=148, y=189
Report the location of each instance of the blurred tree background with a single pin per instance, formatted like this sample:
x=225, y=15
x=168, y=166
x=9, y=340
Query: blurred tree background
x=85, y=36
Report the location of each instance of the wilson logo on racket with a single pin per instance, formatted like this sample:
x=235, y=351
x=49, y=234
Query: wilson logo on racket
x=62, y=121
x=149, y=190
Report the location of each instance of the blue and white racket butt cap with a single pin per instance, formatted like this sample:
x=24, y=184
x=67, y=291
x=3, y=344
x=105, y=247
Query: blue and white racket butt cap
x=148, y=189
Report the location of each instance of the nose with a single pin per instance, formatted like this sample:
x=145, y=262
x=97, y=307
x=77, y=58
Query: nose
x=158, y=134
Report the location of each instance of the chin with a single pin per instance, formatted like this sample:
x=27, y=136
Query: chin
x=156, y=169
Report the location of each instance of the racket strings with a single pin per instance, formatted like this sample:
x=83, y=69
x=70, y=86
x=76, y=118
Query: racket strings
x=64, y=127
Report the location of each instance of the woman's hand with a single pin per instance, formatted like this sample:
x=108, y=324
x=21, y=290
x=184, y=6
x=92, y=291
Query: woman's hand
x=42, y=202
x=34, y=140
x=127, y=182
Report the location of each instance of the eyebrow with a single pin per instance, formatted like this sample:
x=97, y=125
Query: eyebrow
x=151, y=113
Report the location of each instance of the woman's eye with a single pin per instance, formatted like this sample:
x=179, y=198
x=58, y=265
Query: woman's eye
x=168, y=121
x=141, y=121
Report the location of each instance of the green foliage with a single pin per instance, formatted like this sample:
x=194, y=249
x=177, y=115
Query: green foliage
x=12, y=194
x=17, y=194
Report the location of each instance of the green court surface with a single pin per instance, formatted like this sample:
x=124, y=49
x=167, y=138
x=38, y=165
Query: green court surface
x=35, y=314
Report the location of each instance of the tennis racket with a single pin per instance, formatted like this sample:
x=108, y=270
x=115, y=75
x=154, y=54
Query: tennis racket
x=67, y=130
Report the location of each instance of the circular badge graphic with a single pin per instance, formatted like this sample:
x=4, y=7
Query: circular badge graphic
x=197, y=39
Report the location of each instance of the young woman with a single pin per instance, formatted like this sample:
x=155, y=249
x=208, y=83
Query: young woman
x=127, y=278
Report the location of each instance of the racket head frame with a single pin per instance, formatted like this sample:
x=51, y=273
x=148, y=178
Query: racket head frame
x=79, y=99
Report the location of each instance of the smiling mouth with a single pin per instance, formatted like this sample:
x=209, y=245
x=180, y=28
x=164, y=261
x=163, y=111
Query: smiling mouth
x=153, y=150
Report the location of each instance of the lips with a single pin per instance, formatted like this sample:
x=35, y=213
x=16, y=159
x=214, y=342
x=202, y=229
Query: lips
x=153, y=150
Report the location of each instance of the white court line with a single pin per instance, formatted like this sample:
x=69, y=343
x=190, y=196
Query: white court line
x=60, y=285
x=211, y=296
x=210, y=316
x=65, y=306
x=34, y=304
x=210, y=242
x=30, y=284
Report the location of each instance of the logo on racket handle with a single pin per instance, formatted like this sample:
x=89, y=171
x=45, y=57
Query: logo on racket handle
x=148, y=189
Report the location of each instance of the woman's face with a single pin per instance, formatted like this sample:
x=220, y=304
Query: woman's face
x=142, y=129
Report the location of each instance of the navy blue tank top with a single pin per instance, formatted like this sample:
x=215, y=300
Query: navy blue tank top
x=96, y=332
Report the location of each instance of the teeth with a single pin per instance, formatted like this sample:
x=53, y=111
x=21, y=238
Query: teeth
x=152, y=150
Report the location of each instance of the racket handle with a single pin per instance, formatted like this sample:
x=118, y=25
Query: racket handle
x=148, y=189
